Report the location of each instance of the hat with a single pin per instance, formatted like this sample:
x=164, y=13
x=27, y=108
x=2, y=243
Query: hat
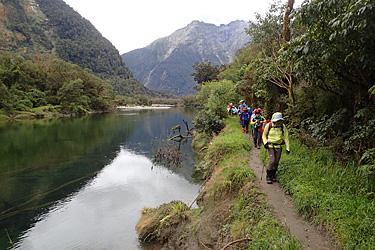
x=242, y=101
x=258, y=111
x=277, y=117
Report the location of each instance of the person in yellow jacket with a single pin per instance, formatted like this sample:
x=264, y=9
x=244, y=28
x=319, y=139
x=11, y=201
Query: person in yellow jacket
x=275, y=135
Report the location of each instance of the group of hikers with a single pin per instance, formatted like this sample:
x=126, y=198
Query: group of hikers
x=273, y=133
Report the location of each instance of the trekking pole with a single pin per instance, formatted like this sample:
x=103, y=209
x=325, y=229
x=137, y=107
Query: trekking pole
x=261, y=177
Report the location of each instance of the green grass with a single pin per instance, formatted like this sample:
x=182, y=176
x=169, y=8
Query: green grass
x=328, y=193
x=250, y=215
x=158, y=223
x=3, y=116
x=230, y=192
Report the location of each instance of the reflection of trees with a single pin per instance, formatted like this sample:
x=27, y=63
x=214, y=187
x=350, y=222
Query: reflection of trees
x=180, y=137
x=45, y=161
x=169, y=154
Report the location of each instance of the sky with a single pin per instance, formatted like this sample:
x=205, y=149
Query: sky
x=133, y=24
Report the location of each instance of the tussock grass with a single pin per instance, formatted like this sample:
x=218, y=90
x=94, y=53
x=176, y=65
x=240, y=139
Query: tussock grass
x=157, y=224
x=331, y=194
x=250, y=215
x=231, y=207
x=3, y=117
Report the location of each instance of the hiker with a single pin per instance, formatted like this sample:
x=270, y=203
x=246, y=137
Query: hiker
x=245, y=120
x=275, y=135
x=257, y=125
x=234, y=110
x=241, y=106
x=229, y=108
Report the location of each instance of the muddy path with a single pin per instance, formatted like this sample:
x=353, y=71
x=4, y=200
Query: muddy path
x=307, y=234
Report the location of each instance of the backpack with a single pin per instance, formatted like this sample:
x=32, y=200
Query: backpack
x=246, y=116
x=269, y=128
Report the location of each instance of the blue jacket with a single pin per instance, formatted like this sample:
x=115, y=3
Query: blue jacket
x=245, y=116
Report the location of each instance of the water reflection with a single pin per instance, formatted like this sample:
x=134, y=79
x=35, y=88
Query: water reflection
x=103, y=214
x=46, y=162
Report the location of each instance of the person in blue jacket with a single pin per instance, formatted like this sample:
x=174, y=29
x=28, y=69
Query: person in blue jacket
x=245, y=120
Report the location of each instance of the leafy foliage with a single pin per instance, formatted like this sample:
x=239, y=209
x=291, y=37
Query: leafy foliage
x=212, y=99
x=30, y=83
x=323, y=78
x=205, y=72
x=339, y=197
x=53, y=27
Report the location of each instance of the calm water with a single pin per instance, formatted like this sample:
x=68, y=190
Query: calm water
x=82, y=183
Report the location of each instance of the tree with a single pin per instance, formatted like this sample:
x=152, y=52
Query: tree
x=205, y=72
x=72, y=97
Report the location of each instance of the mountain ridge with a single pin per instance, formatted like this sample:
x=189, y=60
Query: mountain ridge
x=166, y=64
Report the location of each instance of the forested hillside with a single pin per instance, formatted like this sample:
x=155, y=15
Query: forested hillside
x=44, y=84
x=319, y=70
x=51, y=26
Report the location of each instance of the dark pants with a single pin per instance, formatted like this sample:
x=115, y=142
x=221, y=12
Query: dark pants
x=274, y=158
x=245, y=126
x=257, y=137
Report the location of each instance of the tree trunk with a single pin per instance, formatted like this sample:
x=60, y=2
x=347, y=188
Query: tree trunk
x=286, y=24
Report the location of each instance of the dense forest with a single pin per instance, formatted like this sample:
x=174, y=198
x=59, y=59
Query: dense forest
x=32, y=27
x=317, y=65
x=44, y=84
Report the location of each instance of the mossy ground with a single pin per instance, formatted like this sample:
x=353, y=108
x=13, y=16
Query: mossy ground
x=326, y=192
x=230, y=206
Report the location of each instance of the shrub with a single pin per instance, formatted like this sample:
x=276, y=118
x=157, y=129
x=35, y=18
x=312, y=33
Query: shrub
x=212, y=100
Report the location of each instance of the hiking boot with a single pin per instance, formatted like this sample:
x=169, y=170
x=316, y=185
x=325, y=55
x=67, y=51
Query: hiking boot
x=269, y=177
x=269, y=180
x=273, y=174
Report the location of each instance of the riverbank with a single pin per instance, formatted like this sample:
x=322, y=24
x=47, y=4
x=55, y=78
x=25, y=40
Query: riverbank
x=44, y=112
x=52, y=112
x=141, y=107
x=231, y=210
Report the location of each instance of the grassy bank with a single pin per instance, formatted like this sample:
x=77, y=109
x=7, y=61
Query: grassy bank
x=338, y=197
x=43, y=112
x=230, y=206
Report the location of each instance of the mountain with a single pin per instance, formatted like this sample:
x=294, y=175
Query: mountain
x=52, y=26
x=166, y=64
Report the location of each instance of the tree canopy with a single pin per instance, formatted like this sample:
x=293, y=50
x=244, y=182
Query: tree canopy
x=322, y=76
x=45, y=80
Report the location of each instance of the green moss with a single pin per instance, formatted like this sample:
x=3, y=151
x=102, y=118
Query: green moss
x=330, y=194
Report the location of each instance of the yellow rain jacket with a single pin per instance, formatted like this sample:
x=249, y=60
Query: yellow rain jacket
x=275, y=137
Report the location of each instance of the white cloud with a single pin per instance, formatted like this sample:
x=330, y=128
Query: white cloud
x=134, y=24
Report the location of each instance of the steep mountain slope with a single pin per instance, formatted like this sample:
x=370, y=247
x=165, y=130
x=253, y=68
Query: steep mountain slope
x=34, y=26
x=166, y=64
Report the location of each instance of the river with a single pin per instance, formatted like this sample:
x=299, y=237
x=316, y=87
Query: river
x=82, y=183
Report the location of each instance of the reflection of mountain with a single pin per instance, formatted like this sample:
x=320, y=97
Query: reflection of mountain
x=62, y=155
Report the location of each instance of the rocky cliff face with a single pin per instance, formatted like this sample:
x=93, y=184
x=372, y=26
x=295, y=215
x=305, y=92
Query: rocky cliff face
x=166, y=64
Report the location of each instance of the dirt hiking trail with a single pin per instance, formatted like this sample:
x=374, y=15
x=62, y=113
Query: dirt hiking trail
x=307, y=234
